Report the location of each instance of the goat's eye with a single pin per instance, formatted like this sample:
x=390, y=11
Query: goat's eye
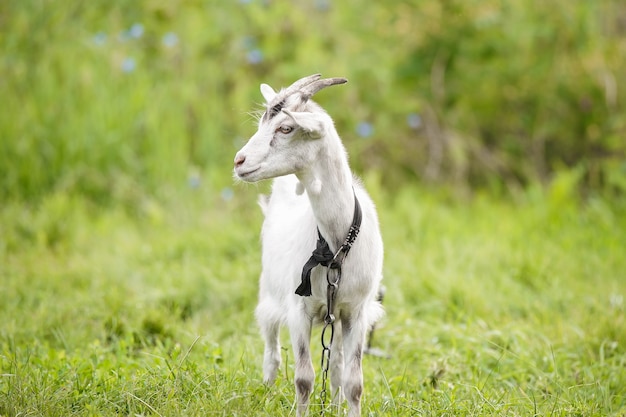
x=285, y=129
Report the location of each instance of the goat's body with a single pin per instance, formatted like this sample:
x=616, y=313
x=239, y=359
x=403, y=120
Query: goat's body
x=298, y=146
x=289, y=236
x=290, y=233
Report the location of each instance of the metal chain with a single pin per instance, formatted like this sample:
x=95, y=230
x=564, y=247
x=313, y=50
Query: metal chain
x=325, y=363
x=329, y=320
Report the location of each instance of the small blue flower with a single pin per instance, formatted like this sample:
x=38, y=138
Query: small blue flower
x=227, y=194
x=414, y=121
x=245, y=1
x=365, y=129
x=194, y=181
x=99, y=38
x=255, y=56
x=136, y=31
x=322, y=5
x=128, y=64
x=170, y=40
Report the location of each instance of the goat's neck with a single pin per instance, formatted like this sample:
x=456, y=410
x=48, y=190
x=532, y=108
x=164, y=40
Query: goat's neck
x=329, y=186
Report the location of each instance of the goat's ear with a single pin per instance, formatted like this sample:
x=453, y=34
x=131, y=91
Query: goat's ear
x=311, y=123
x=268, y=92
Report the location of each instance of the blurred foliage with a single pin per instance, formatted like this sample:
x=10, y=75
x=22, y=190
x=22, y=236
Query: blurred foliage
x=113, y=98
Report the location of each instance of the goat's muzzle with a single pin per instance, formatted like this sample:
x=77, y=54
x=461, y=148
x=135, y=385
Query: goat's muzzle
x=239, y=160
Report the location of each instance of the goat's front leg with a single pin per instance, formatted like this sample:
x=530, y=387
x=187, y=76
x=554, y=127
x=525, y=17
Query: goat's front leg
x=300, y=332
x=354, y=332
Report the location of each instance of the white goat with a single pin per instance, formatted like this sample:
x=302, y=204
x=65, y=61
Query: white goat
x=296, y=136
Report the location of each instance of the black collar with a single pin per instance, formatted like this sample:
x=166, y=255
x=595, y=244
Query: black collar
x=322, y=255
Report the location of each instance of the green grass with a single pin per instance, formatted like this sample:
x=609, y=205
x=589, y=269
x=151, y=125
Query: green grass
x=493, y=308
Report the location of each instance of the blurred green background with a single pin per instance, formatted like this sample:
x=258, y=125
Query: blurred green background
x=112, y=99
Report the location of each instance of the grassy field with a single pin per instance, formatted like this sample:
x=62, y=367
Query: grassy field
x=493, y=308
x=129, y=261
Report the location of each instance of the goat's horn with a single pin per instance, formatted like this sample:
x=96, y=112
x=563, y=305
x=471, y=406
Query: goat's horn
x=306, y=86
x=310, y=89
x=293, y=88
x=302, y=82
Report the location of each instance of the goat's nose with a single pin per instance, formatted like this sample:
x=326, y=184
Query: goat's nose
x=239, y=160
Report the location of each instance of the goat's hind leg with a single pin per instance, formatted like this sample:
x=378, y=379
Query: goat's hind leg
x=270, y=330
x=336, y=365
x=354, y=332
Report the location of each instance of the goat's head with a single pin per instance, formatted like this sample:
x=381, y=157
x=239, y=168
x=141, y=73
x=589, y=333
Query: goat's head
x=289, y=133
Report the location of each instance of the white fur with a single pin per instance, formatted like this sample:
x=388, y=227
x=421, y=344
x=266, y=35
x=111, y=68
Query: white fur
x=313, y=187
